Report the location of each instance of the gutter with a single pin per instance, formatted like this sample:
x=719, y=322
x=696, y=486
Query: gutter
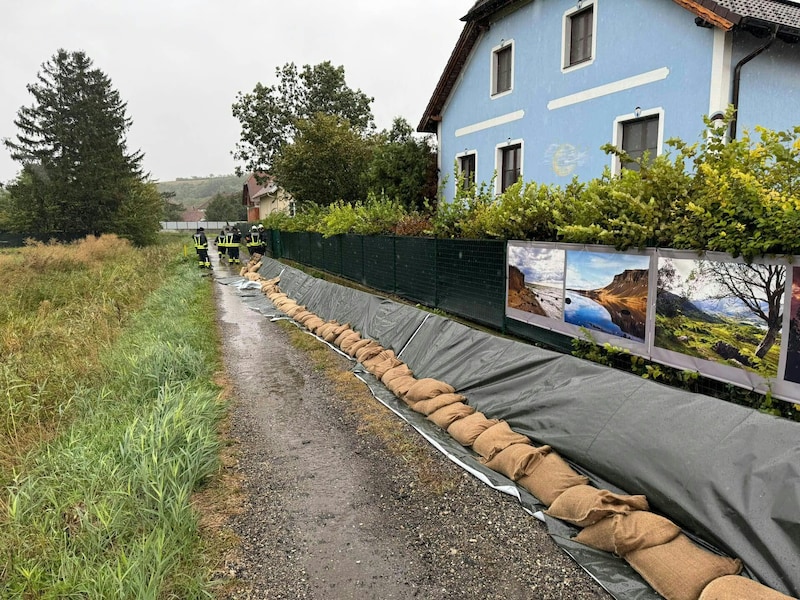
x=737, y=72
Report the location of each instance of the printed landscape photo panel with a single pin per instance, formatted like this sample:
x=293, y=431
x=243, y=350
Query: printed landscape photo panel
x=792, y=370
x=536, y=280
x=607, y=293
x=725, y=312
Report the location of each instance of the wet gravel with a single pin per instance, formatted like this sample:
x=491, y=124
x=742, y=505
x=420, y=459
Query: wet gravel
x=330, y=513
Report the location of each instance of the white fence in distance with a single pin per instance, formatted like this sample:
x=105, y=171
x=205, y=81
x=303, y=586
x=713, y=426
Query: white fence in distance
x=193, y=225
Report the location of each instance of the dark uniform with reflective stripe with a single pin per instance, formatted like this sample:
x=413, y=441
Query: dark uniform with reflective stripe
x=201, y=247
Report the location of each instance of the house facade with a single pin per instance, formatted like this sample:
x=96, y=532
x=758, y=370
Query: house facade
x=534, y=88
x=263, y=199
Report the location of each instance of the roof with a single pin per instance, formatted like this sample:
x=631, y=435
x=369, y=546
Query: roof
x=757, y=16
x=252, y=189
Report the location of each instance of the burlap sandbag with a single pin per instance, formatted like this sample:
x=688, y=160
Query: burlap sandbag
x=275, y=296
x=325, y=328
x=445, y=416
x=399, y=385
x=255, y=267
x=252, y=276
x=402, y=370
x=242, y=271
x=346, y=334
x=302, y=316
x=516, y=460
x=465, y=431
x=335, y=332
x=428, y=388
x=623, y=533
x=381, y=356
x=548, y=478
x=427, y=407
x=735, y=587
x=354, y=348
x=349, y=340
x=496, y=438
x=379, y=370
x=585, y=505
x=368, y=352
x=313, y=322
x=295, y=310
x=680, y=569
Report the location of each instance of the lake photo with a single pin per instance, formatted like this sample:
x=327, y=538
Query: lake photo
x=607, y=292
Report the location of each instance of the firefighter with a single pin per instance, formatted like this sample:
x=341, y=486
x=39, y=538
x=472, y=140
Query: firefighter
x=221, y=245
x=234, y=238
x=262, y=236
x=253, y=241
x=201, y=247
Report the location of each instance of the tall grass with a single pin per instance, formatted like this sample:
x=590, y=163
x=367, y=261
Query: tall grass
x=102, y=510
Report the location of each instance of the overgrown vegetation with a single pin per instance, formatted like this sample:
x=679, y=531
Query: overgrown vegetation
x=738, y=196
x=109, y=420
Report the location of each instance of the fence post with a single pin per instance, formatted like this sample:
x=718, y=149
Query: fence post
x=436, y=272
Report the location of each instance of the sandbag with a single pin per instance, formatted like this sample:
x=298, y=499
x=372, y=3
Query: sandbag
x=621, y=534
x=680, y=569
x=313, y=322
x=355, y=347
x=368, y=352
x=427, y=407
x=445, y=416
x=735, y=587
x=349, y=341
x=549, y=477
x=400, y=386
x=402, y=370
x=379, y=370
x=466, y=430
x=348, y=336
x=585, y=505
x=427, y=388
x=496, y=438
x=381, y=356
x=517, y=459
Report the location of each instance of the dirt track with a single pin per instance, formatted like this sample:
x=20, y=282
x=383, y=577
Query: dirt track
x=330, y=513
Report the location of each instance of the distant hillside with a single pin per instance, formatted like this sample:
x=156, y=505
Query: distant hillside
x=196, y=191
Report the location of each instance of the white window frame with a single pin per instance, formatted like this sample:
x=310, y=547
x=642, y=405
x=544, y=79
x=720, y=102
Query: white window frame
x=566, y=35
x=498, y=161
x=461, y=155
x=616, y=136
x=493, y=93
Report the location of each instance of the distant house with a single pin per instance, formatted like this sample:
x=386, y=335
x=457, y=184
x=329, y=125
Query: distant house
x=533, y=89
x=193, y=214
x=263, y=199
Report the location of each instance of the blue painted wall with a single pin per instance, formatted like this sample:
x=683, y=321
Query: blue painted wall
x=769, y=93
x=632, y=37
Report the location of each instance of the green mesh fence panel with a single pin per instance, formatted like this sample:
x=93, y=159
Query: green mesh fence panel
x=315, y=258
x=379, y=263
x=471, y=279
x=274, y=243
x=415, y=269
x=304, y=248
x=332, y=254
x=291, y=245
x=353, y=257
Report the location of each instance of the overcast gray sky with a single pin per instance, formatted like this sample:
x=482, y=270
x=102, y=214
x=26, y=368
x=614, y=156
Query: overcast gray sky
x=179, y=63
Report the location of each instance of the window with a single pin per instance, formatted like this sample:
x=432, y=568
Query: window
x=640, y=136
x=502, y=68
x=579, y=35
x=510, y=165
x=466, y=167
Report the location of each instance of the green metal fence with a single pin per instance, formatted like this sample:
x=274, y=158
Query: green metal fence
x=462, y=277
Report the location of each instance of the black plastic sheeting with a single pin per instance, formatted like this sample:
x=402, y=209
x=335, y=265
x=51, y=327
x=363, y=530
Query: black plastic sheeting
x=728, y=475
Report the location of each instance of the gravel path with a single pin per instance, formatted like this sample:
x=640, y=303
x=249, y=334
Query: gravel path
x=331, y=513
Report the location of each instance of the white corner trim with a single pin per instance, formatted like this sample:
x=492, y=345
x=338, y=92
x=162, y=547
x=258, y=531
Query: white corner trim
x=610, y=88
x=501, y=120
x=721, y=76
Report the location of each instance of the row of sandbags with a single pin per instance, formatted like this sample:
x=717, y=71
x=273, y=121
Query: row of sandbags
x=655, y=547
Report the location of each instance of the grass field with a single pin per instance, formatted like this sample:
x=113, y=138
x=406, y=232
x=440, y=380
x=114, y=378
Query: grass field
x=109, y=420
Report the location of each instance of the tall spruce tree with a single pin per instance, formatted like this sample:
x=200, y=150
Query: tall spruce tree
x=71, y=144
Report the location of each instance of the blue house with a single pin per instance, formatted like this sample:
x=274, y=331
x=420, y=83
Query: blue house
x=534, y=88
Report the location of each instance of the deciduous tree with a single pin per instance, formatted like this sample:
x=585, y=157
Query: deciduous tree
x=270, y=115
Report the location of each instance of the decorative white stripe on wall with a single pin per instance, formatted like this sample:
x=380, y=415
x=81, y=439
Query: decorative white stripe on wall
x=501, y=120
x=610, y=88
